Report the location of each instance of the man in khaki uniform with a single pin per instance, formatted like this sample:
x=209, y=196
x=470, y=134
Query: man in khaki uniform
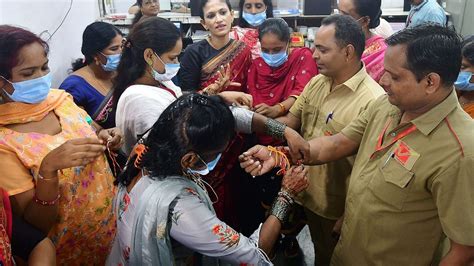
x=413, y=178
x=329, y=102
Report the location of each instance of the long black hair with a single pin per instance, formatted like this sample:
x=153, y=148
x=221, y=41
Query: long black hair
x=155, y=33
x=193, y=122
x=96, y=37
x=243, y=23
x=371, y=9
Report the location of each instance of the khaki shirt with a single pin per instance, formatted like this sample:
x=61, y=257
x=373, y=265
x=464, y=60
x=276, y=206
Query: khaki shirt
x=325, y=112
x=402, y=200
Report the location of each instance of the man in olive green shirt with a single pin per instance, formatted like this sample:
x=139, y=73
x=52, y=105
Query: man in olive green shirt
x=329, y=102
x=413, y=178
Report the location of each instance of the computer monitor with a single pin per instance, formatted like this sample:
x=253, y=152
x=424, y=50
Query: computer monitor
x=195, y=6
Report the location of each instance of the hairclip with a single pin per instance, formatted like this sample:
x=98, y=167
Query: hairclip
x=140, y=149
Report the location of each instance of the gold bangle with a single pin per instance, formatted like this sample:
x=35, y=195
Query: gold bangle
x=40, y=177
x=282, y=108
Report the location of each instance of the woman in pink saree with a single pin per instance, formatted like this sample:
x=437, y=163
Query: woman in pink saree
x=367, y=13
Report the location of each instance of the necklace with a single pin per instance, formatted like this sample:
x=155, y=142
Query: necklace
x=209, y=40
x=103, y=89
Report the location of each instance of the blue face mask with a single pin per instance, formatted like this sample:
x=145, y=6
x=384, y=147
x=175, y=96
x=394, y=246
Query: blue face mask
x=463, y=83
x=171, y=70
x=209, y=166
x=31, y=91
x=113, y=61
x=254, y=19
x=275, y=60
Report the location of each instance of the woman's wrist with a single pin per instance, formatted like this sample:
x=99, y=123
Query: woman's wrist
x=48, y=202
x=281, y=208
x=282, y=109
x=46, y=172
x=212, y=89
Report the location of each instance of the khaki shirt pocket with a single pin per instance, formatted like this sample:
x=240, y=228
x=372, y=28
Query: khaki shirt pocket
x=391, y=183
x=309, y=117
x=332, y=128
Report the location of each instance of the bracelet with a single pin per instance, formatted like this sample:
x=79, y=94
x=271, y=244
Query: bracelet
x=286, y=195
x=281, y=208
x=282, y=108
x=46, y=203
x=40, y=177
x=275, y=128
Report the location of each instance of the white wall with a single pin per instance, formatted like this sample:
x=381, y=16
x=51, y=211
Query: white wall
x=40, y=15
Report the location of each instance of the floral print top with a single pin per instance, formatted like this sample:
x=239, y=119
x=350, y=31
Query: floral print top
x=85, y=225
x=193, y=225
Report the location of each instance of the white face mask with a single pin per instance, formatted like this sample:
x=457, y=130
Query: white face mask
x=170, y=71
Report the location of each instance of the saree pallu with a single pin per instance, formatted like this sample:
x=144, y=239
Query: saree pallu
x=250, y=37
x=238, y=56
x=373, y=56
x=225, y=177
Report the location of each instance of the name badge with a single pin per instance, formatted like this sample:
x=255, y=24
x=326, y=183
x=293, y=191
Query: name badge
x=405, y=155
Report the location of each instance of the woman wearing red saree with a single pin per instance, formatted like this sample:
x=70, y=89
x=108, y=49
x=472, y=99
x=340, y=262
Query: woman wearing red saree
x=217, y=64
x=202, y=62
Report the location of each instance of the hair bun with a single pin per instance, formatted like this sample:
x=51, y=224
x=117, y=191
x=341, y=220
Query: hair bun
x=374, y=23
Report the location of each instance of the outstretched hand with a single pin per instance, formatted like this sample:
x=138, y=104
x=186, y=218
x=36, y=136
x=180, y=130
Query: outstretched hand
x=257, y=160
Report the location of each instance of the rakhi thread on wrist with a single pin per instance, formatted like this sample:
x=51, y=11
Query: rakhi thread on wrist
x=281, y=160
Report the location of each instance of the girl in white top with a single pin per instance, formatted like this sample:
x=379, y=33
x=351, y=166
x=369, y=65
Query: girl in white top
x=143, y=86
